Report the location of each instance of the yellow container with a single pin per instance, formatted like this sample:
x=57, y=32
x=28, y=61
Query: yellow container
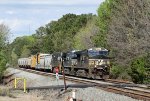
x=33, y=61
x=38, y=58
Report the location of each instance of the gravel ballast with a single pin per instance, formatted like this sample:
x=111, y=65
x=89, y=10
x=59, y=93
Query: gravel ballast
x=84, y=94
x=34, y=80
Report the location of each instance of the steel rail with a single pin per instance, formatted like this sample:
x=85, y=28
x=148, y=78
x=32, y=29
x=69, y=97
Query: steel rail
x=141, y=95
x=115, y=87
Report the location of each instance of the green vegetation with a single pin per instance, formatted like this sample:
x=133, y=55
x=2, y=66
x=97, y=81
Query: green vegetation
x=4, y=31
x=21, y=44
x=121, y=26
x=104, y=16
x=21, y=47
x=124, y=26
x=58, y=35
x=84, y=37
x=140, y=69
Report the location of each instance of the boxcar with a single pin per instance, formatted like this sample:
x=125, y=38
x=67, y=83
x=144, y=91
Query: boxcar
x=48, y=65
x=40, y=61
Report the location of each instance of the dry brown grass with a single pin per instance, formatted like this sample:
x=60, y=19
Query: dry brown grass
x=7, y=95
x=22, y=97
x=4, y=91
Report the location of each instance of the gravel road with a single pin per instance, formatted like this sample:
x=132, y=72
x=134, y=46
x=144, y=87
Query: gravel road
x=84, y=94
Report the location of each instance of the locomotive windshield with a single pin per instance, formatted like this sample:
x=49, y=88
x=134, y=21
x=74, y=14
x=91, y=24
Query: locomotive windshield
x=93, y=53
x=71, y=55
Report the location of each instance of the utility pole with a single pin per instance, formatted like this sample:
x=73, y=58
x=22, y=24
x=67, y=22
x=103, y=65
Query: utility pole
x=64, y=78
x=62, y=65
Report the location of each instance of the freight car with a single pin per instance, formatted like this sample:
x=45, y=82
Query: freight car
x=43, y=62
x=39, y=61
x=91, y=63
x=24, y=62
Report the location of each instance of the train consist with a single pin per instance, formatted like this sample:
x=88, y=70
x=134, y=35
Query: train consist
x=91, y=63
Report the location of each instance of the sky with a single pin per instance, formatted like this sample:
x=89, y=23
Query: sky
x=23, y=17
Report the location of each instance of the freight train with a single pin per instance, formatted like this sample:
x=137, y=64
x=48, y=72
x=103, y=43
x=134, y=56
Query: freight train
x=90, y=63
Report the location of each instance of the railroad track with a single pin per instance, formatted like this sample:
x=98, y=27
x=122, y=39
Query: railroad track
x=118, y=81
x=141, y=95
x=124, y=88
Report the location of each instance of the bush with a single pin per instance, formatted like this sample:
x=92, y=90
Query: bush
x=6, y=92
x=140, y=69
x=119, y=72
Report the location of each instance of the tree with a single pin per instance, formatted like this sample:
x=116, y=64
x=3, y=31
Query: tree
x=104, y=18
x=129, y=33
x=57, y=36
x=25, y=52
x=21, y=43
x=84, y=37
x=4, y=31
x=14, y=58
x=124, y=29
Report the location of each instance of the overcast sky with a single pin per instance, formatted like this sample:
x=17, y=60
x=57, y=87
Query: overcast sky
x=24, y=16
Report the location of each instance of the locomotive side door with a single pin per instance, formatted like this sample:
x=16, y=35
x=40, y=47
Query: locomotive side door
x=84, y=61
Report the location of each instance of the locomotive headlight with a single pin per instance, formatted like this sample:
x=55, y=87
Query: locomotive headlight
x=91, y=62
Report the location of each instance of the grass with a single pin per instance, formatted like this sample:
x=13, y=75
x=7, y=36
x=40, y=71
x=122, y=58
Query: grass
x=6, y=92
